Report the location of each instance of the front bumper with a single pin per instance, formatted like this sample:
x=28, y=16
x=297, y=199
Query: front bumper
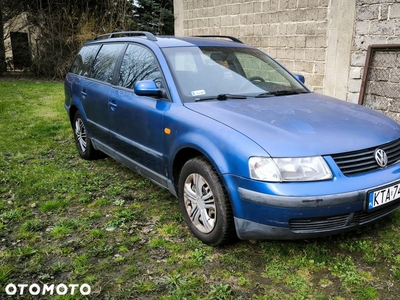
x=307, y=210
x=303, y=225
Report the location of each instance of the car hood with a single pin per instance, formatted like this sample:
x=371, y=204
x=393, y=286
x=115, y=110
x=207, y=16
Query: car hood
x=303, y=124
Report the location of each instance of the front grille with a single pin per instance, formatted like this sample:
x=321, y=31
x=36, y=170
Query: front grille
x=340, y=222
x=363, y=161
x=320, y=224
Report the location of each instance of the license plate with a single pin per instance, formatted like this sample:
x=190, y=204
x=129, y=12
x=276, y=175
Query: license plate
x=383, y=196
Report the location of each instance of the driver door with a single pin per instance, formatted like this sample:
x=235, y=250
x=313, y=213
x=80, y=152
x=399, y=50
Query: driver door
x=136, y=122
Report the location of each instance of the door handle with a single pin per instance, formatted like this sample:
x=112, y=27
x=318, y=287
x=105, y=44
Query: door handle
x=113, y=105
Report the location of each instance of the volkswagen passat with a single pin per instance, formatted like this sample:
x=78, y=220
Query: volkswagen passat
x=249, y=151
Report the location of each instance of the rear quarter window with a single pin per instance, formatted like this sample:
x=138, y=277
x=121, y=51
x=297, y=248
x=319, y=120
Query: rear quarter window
x=84, y=60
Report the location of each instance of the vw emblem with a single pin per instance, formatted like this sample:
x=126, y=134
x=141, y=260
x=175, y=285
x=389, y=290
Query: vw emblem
x=381, y=158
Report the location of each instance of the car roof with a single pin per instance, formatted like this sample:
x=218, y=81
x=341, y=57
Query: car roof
x=165, y=41
x=222, y=41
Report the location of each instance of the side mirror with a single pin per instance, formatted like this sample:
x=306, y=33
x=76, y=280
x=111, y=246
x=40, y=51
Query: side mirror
x=148, y=88
x=300, y=78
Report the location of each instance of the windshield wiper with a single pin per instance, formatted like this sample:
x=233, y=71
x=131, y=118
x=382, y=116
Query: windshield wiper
x=263, y=95
x=281, y=93
x=222, y=97
x=285, y=92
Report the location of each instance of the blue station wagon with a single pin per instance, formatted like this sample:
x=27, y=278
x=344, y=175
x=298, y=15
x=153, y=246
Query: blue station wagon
x=247, y=149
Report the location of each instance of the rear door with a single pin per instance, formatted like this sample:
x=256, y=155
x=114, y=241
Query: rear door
x=96, y=90
x=136, y=124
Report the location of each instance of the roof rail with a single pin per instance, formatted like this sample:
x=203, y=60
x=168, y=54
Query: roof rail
x=233, y=39
x=147, y=34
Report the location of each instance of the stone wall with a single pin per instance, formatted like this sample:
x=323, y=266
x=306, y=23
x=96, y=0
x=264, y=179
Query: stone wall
x=376, y=22
x=382, y=85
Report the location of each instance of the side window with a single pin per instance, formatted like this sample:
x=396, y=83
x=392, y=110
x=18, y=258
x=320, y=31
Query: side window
x=139, y=63
x=104, y=64
x=84, y=59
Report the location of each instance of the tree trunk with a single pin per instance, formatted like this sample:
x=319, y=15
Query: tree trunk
x=3, y=66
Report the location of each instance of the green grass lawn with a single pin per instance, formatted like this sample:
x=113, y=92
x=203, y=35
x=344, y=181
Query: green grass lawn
x=64, y=220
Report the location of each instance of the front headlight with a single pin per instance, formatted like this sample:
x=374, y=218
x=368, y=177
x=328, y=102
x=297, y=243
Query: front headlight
x=289, y=169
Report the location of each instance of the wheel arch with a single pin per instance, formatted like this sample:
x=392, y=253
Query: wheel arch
x=72, y=111
x=187, y=153
x=181, y=157
x=229, y=232
x=226, y=156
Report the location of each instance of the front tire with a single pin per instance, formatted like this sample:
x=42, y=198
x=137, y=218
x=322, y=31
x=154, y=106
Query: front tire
x=205, y=204
x=82, y=140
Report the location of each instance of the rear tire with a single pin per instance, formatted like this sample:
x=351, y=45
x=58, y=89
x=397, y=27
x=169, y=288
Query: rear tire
x=82, y=140
x=205, y=204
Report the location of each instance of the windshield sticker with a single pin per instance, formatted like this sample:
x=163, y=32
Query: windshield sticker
x=198, y=93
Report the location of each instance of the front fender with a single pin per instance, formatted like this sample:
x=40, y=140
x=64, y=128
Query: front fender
x=227, y=149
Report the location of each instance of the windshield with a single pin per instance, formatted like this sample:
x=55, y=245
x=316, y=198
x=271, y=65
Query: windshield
x=220, y=73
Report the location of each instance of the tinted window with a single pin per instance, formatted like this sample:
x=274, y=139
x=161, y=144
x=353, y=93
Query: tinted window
x=104, y=64
x=138, y=63
x=84, y=60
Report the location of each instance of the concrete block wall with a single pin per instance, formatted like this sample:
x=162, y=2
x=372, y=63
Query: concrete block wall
x=324, y=40
x=376, y=22
x=292, y=31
